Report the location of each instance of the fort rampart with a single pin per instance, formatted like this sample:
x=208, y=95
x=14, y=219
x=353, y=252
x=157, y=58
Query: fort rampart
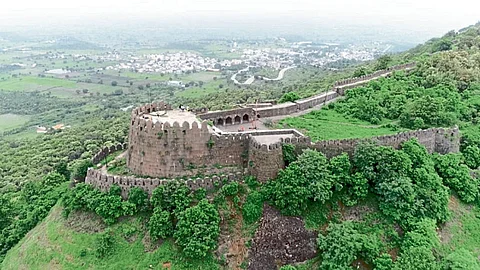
x=104, y=152
x=104, y=181
x=246, y=114
x=266, y=160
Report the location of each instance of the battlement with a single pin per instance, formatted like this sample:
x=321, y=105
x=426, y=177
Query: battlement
x=104, y=152
x=104, y=181
x=373, y=75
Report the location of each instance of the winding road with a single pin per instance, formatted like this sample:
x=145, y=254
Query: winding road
x=250, y=80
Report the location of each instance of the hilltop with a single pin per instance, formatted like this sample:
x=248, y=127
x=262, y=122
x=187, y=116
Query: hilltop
x=376, y=208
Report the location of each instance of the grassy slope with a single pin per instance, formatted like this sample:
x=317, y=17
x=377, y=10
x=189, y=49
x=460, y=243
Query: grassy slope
x=329, y=124
x=9, y=121
x=54, y=245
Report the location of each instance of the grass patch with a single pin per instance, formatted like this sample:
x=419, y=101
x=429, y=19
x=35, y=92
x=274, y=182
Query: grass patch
x=53, y=245
x=30, y=83
x=329, y=124
x=462, y=230
x=9, y=121
x=208, y=88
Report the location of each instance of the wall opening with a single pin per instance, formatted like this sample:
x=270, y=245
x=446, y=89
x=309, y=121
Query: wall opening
x=228, y=121
x=237, y=119
x=220, y=122
x=245, y=118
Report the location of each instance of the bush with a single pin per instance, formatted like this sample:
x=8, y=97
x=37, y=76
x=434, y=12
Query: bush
x=139, y=198
x=104, y=244
x=306, y=179
x=343, y=243
x=80, y=170
x=108, y=205
x=253, y=207
x=457, y=176
x=288, y=151
x=289, y=97
x=197, y=229
x=160, y=224
x=461, y=259
x=230, y=189
x=173, y=197
x=471, y=156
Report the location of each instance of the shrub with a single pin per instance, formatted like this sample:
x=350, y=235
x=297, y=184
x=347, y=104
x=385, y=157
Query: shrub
x=457, y=176
x=461, y=259
x=160, y=224
x=230, y=189
x=104, y=244
x=289, y=97
x=173, y=197
x=80, y=170
x=253, y=207
x=139, y=198
x=197, y=229
x=471, y=156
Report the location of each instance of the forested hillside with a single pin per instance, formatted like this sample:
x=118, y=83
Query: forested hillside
x=379, y=209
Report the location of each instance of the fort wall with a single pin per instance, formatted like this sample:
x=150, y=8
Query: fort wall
x=104, y=181
x=169, y=150
x=246, y=114
x=266, y=160
x=104, y=152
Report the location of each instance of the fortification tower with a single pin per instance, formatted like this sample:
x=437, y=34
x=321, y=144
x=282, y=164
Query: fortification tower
x=173, y=143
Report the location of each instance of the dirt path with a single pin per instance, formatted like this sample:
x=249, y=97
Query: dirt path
x=104, y=167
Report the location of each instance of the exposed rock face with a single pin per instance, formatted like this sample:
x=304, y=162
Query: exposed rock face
x=280, y=240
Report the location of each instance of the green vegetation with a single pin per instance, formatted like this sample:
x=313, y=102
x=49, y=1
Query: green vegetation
x=328, y=124
x=381, y=208
x=9, y=121
x=410, y=189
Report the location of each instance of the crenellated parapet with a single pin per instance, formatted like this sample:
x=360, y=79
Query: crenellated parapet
x=435, y=140
x=104, y=181
x=104, y=152
x=374, y=75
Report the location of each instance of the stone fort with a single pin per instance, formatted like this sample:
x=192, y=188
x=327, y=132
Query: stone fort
x=165, y=144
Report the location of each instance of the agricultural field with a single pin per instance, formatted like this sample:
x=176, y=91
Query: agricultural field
x=10, y=121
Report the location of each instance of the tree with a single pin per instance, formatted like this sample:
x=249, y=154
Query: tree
x=114, y=83
x=160, y=224
x=173, y=197
x=80, y=170
x=289, y=97
x=383, y=62
x=138, y=197
x=198, y=229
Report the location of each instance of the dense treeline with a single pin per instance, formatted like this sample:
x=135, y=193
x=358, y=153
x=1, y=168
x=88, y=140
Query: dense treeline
x=410, y=186
x=29, y=185
x=173, y=210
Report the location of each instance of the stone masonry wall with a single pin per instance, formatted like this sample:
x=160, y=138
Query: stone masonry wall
x=103, y=153
x=161, y=150
x=266, y=160
x=436, y=140
x=104, y=181
x=263, y=111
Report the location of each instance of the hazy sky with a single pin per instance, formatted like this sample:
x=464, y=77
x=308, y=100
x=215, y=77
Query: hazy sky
x=438, y=16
